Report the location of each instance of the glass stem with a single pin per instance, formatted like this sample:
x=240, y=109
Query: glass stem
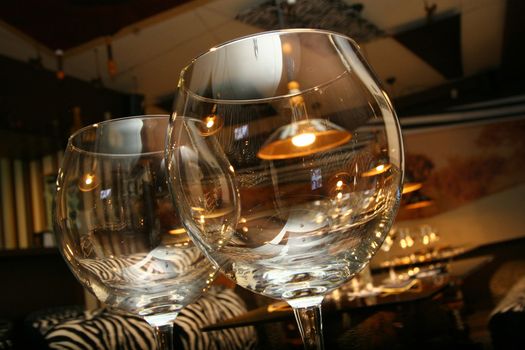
x=310, y=325
x=164, y=336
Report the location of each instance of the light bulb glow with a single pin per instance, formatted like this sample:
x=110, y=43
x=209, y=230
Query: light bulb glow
x=177, y=231
x=88, y=182
x=379, y=169
x=303, y=140
x=210, y=122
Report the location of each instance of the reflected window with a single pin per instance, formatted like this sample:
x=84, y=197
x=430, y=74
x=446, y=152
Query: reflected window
x=241, y=132
x=105, y=193
x=316, y=179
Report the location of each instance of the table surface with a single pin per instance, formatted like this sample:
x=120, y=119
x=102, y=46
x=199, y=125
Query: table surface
x=344, y=300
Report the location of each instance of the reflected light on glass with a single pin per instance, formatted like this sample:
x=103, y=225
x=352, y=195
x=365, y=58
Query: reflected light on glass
x=177, y=231
x=381, y=168
x=88, y=182
x=303, y=140
x=212, y=123
x=303, y=136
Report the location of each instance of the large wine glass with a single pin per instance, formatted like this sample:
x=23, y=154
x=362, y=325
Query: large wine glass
x=285, y=156
x=117, y=226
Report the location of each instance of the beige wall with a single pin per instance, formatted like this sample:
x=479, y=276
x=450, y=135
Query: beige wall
x=493, y=218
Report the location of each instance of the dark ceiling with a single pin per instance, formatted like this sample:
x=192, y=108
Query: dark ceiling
x=63, y=24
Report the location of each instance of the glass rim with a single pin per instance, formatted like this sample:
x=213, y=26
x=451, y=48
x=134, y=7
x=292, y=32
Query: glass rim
x=183, y=86
x=94, y=126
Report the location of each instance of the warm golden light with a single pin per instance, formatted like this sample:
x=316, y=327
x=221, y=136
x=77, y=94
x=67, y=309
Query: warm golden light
x=303, y=136
x=381, y=168
x=411, y=187
x=418, y=205
x=286, y=149
x=303, y=140
x=211, y=123
x=177, y=231
x=339, y=184
x=277, y=307
x=88, y=182
x=287, y=48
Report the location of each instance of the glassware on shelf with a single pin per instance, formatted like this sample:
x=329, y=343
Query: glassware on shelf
x=428, y=237
x=118, y=228
x=387, y=245
x=296, y=188
x=405, y=238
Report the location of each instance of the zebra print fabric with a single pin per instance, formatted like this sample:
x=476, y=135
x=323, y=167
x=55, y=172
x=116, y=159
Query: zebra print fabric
x=102, y=329
x=214, y=307
x=160, y=261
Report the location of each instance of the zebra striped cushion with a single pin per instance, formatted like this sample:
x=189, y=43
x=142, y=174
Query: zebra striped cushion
x=101, y=329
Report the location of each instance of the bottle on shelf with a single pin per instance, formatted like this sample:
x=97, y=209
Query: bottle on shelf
x=24, y=225
x=38, y=207
x=7, y=197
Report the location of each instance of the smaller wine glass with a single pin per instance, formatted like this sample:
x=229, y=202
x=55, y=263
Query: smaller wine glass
x=428, y=236
x=117, y=227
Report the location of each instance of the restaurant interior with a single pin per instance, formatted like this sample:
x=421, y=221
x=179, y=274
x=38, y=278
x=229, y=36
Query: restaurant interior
x=448, y=273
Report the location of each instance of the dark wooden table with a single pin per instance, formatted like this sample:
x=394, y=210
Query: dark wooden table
x=421, y=289
x=429, y=311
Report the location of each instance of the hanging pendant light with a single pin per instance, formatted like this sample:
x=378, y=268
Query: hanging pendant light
x=417, y=200
x=410, y=184
x=303, y=136
x=382, y=161
x=409, y=187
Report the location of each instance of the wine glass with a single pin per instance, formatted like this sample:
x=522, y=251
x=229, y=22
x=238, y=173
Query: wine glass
x=117, y=226
x=286, y=159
